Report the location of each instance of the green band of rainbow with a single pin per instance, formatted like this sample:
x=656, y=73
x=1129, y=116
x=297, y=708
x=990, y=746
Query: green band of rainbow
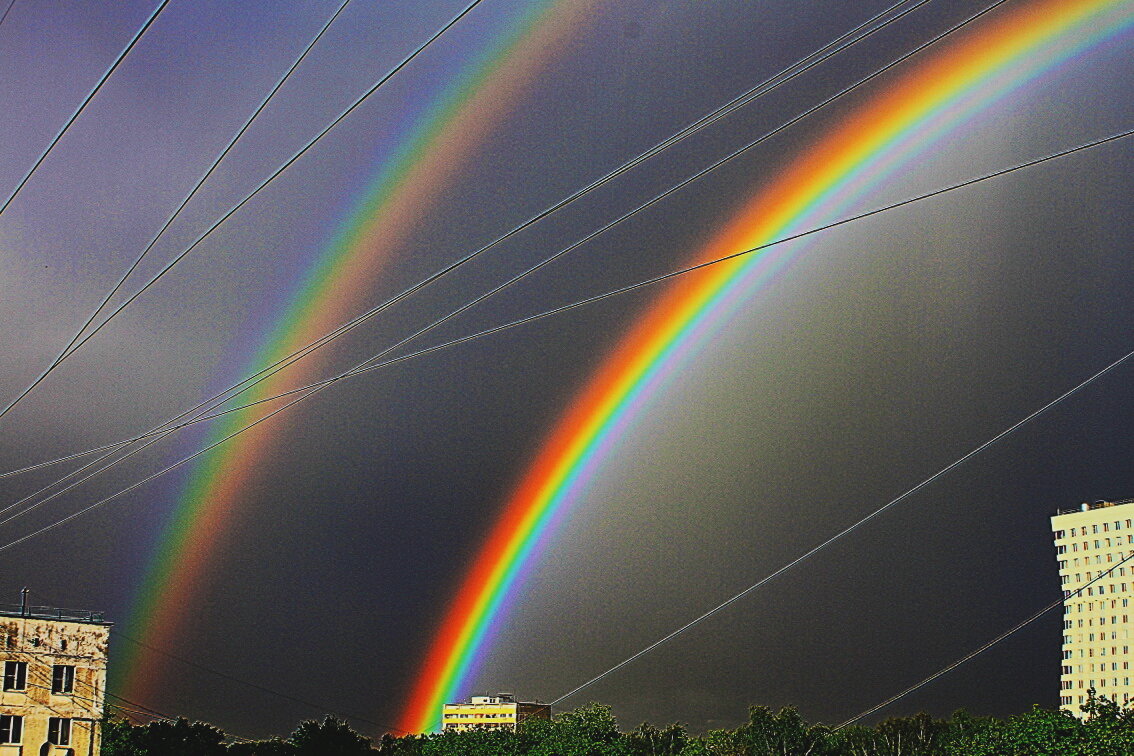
x=934, y=93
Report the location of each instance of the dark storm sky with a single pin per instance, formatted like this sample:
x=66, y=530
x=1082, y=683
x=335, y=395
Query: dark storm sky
x=881, y=354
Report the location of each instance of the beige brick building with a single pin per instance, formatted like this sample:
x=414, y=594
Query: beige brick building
x=497, y=712
x=1090, y=541
x=54, y=679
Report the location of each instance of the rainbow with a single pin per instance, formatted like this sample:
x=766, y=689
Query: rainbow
x=925, y=98
x=430, y=153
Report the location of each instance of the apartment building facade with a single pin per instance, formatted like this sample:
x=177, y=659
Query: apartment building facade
x=1092, y=541
x=54, y=681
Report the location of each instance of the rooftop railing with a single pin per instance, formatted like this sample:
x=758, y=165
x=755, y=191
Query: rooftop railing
x=52, y=613
x=1088, y=506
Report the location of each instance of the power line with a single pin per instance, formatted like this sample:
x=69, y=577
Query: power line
x=164, y=430
x=90, y=96
x=169, y=221
x=367, y=367
x=305, y=391
x=784, y=76
x=215, y=225
x=848, y=530
x=978, y=651
x=7, y=11
x=253, y=380
x=827, y=51
x=796, y=69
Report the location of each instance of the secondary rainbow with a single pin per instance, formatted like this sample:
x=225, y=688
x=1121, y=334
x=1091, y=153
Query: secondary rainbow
x=930, y=95
x=433, y=148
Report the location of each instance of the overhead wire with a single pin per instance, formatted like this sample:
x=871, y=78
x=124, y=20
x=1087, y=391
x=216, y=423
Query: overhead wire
x=787, y=74
x=984, y=647
x=305, y=391
x=7, y=11
x=366, y=365
x=248, y=383
x=847, y=530
x=86, y=100
x=863, y=30
x=175, y=214
x=264, y=183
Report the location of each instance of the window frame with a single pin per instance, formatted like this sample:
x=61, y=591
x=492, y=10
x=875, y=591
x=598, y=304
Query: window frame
x=17, y=673
x=11, y=729
x=59, y=731
x=62, y=679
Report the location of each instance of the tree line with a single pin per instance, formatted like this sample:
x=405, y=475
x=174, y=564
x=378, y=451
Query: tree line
x=1105, y=729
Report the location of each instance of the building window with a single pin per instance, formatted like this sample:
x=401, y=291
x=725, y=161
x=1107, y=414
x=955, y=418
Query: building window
x=15, y=675
x=62, y=678
x=11, y=728
x=59, y=731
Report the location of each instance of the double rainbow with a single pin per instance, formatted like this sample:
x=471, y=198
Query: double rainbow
x=934, y=93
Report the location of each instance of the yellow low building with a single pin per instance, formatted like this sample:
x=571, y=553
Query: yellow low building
x=54, y=681
x=499, y=712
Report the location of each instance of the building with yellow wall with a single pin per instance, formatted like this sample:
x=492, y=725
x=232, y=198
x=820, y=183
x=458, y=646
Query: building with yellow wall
x=54, y=679
x=499, y=712
x=1090, y=541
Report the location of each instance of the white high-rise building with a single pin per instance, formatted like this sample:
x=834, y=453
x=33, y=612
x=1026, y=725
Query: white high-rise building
x=1091, y=540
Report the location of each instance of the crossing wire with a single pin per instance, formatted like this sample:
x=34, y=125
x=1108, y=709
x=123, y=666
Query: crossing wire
x=306, y=391
x=366, y=367
x=846, y=531
x=980, y=650
x=177, y=212
x=786, y=75
x=204, y=408
x=7, y=11
x=894, y=13
x=90, y=96
x=290, y=161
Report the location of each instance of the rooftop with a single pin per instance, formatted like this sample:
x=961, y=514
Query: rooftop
x=1088, y=506
x=52, y=613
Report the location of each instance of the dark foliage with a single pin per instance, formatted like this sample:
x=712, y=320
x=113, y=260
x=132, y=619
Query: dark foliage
x=1105, y=729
